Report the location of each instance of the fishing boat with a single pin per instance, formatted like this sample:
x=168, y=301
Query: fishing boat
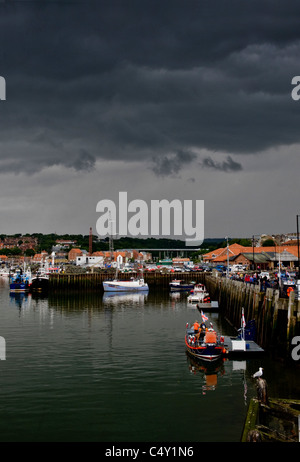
x=200, y=298
x=40, y=281
x=199, y=294
x=180, y=285
x=19, y=281
x=137, y=284
x=132, y=285
x=205, y=345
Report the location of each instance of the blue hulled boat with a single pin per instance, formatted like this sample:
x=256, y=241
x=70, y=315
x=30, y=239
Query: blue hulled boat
x=19, y=282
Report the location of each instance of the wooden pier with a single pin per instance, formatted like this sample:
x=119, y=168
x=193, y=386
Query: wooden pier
x=277, y=319
x=93, y=281
x=240, y=349
x=275, y=421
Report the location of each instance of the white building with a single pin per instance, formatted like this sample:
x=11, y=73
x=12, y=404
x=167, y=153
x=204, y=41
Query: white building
x=86, y=260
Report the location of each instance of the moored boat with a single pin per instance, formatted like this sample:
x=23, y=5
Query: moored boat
x=40, y=281
x=20, y=282
x=137, y=284
x=199, y=294
x=5, y=273
x=180, y=285
x=203, y=343
x=133, y=285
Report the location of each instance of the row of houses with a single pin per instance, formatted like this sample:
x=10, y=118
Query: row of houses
x=22, y=242
x=264, y=258
x=82, y=257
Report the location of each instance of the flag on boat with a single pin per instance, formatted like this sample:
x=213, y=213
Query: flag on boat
x=204, y=318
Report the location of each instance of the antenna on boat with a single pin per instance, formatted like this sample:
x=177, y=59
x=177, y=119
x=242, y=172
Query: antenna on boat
x=111, y=241
x=243, y=324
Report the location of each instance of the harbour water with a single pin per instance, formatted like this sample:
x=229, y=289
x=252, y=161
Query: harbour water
x=90, y=367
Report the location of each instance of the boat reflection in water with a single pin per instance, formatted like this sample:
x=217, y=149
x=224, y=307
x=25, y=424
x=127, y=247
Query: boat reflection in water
x=209, y=371
x=20, y=299
x=117, y=298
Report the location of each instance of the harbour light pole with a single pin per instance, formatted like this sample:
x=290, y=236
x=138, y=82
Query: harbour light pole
x=253, y=252
x=227, y=270
x=298, y=272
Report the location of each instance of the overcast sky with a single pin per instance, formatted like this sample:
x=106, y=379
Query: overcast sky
x=162, y=99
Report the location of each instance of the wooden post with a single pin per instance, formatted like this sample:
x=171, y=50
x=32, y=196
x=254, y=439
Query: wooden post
x=262, y=391
x=254, y=437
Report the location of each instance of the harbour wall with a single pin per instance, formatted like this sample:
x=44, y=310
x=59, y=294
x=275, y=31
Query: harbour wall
x=277, y=319
x=63, y=281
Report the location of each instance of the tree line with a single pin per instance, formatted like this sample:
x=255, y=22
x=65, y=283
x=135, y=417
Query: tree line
x=47, y=241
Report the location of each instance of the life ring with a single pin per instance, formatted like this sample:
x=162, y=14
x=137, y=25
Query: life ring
x=289, y=290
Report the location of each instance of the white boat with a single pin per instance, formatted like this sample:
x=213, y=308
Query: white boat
x=118, y=285
x=4, y=273
x=133, y=285
x=199, y=294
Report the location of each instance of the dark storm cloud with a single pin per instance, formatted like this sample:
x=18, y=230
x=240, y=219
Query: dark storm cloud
x=84, y=161
x=145, y=80
x=229, y=165
x=172, y=164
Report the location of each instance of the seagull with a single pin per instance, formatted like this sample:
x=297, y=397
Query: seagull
x=259, y=373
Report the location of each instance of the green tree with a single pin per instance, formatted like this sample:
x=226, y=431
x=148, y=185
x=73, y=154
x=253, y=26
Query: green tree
x=268, y=243
x=29, y=252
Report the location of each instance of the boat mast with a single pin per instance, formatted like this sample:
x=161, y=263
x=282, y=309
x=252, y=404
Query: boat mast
x=243, y=325
x=111, y=245
x=111, y=241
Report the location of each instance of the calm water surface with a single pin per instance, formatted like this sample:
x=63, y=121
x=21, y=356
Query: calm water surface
x=86, y=367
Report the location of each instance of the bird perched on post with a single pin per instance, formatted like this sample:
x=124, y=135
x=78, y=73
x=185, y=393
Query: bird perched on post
x=258, y=374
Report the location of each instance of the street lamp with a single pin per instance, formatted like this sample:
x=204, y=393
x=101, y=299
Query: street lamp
x=253, y=241
x=253, y=252
x=227, y=270
x=298, y=272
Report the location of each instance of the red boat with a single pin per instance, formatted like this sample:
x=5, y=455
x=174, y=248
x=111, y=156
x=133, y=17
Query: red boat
x=205, y=344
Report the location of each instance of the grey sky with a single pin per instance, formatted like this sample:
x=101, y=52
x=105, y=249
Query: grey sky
x=173, y=99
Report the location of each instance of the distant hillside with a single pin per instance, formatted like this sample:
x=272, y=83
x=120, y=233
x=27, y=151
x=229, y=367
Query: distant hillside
x=47, y=241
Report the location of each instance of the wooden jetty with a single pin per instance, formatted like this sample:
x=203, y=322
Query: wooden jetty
x=271, y=420
x=241, y=348
x=90, y=281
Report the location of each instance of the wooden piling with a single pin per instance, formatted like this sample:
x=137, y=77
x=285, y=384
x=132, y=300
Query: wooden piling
x=277, y=421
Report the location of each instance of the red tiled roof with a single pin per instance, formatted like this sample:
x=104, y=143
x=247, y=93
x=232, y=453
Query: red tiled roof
x=236, y=249
x=233, y=249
